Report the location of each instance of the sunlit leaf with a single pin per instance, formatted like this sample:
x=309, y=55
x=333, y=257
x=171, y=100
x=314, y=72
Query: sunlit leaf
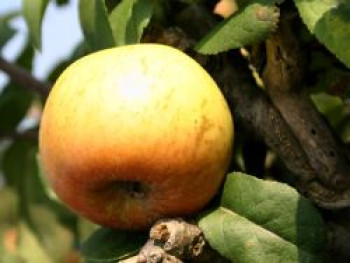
x=250, y=25
x=33, y=11
x=128, y=20
x=29, y=246
x=56, y=239
x=329, y=20
x=94, y=21
x=262, y=221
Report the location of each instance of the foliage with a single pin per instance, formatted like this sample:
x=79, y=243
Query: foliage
x=6, y=31
x=124, y=25
x=251, y=24
x=329, y=21
x=33, y=12
x=255, y=220
x=262, y=221
x=108, y=245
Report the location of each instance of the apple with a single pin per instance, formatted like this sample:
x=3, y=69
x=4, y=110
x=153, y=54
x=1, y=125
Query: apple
x=135, y=133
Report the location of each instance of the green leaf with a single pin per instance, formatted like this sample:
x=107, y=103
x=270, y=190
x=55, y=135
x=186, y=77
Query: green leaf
x=189, y=2
x=129, y=19
x=29, y=246
x=8, y=205
x=44, y=194
x=42, y=181
x=111, y=4
x=10, y=258
x=329, y=20
x=20, y=245
x=94, y=21
x=250, y=25
x=107, y=245
x=26, y=58
x=330, y=106
x=262, y=221
x=62, y=2
x=8, y=244
x=14, y=104
x=15, y=164
x=15, y=100
x=21, y=172
x=55, y=239
x=6, y=31
x=33, y=11
x=85, y=228
x=19, y=164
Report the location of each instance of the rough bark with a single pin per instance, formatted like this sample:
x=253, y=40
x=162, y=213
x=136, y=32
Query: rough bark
x=283, y=115
x=176, y=241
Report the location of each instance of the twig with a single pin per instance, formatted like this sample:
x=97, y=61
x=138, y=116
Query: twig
x=172, y=240
x=179, y=238
x=31, y=134
x=24, y=78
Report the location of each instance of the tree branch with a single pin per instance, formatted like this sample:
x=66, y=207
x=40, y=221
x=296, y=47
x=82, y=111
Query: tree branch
x=31, y=134
x=284, y=79
x=265, y=116
x=24, y=78
x=284, y=117
x=176, y=241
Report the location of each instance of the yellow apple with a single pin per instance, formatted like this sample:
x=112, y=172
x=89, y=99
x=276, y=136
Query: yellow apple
x=135, y=133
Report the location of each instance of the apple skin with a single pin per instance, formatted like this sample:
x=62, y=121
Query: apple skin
x=133, y=134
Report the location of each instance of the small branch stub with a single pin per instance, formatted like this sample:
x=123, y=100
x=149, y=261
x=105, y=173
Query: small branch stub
x=151, y=253
x=172, y=240
x=178, y=238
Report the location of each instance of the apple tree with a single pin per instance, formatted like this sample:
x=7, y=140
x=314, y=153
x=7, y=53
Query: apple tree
x=283, y=68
